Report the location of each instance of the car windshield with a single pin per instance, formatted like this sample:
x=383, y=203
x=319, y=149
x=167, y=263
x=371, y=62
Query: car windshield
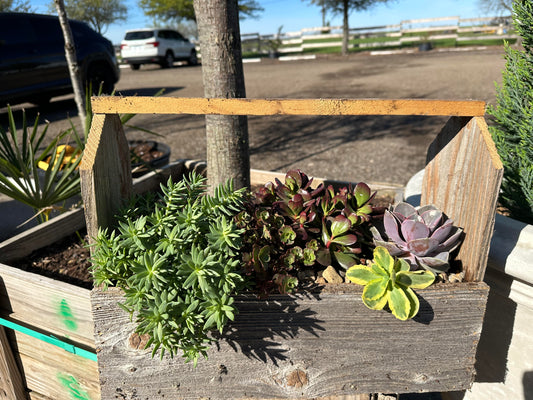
x=138, y=35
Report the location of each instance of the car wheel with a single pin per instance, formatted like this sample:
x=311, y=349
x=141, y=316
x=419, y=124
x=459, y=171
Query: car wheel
x=168, y=61
x=100, y=74
x=135, y=67
x=193, y=59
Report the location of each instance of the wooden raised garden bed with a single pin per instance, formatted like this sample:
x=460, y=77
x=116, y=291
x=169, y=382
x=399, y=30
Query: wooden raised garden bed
x=323, y=344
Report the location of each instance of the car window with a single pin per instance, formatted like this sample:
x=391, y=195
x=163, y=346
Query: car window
x=139, y=35
x=49, y=28
x=16, y=30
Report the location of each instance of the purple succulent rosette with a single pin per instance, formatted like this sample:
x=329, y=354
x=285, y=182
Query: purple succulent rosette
x=424, y=236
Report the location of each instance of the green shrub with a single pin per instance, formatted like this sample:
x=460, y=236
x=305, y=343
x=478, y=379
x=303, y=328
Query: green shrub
x=513, y=117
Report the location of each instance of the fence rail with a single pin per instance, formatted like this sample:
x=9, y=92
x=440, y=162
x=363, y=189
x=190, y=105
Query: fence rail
x=407, y=32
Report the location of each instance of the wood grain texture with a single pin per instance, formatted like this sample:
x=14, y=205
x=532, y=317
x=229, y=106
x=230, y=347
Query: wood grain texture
x=41, y=235
x=462, y=177
x=56, y=373
x=48, y=305
x=105, y=172
x=11, y=384
x=307, y=346
x=218, y=106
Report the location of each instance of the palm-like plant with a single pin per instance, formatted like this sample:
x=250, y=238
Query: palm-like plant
x=20, y=175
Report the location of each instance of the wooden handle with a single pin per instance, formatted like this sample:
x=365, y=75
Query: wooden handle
x=216, y=106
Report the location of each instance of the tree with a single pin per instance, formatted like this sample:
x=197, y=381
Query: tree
x=513, y=117
x=496, y=6
x=70, y=53
x=16, y=6
x=176, y=11
x=223, y=77
x=98, y=13
x=345, y=7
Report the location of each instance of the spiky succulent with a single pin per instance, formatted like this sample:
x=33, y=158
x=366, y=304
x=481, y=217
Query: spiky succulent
x=424, y=237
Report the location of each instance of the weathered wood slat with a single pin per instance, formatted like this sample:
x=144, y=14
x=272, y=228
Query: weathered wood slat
x=11, y=383
x=216, y=106
x=41, y=235
x=49, y=305
x=462, y=177
x=105, y=172
x=306, y=346
x=56, y=373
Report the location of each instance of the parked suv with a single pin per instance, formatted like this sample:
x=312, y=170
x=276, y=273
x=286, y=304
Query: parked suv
x=33, y=66
x=156, y=46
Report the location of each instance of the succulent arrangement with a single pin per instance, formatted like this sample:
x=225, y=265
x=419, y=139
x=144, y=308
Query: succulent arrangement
x=182, y=255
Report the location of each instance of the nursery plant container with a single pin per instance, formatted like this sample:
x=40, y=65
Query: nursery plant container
x=323, y=344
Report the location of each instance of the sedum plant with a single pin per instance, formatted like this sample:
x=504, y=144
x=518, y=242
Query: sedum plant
x=423, y=237
x=389, y=281
x=176, y=257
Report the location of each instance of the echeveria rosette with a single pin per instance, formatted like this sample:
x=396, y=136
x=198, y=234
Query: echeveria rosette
x=389, y=281
x=424, y=237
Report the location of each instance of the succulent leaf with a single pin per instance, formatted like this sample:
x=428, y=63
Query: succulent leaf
x=389, y=281
x=415, y=279
x=419, y=236
x=375, y=289
x=399, y=303
x=361, y=274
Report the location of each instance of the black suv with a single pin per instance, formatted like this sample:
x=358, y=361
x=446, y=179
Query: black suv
x=33, y=67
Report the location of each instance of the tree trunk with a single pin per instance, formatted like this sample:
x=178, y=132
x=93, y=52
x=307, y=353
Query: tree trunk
x=345, y=27
x=70, y=53
x=223, y=77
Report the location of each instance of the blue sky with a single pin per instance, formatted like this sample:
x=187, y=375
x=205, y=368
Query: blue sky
x=294, y=15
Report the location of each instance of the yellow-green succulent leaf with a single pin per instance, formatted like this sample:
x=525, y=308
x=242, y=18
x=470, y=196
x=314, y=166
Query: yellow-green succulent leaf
x=399, y=303
x=383, y=259
x=413, y=299
x=376, y=289
x=402, y=265
x=361, y=274
x=415, y=279
x=377, y=304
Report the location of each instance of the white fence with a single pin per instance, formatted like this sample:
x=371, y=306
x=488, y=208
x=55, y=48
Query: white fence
x=406, y=32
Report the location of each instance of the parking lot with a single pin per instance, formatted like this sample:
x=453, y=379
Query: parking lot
x=368, y=148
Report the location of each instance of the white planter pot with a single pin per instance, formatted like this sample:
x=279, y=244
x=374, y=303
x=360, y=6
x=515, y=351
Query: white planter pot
x=504, y=360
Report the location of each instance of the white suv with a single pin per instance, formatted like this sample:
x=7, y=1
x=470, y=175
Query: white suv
x=156, y=46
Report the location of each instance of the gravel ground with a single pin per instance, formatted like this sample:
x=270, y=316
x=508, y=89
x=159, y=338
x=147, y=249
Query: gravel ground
x=368, y=148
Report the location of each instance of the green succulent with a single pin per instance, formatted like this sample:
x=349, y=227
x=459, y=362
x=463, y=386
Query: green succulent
x=177, y=258
x=388, y=281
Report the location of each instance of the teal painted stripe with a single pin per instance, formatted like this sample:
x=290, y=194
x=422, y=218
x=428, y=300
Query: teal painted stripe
x=49, y=339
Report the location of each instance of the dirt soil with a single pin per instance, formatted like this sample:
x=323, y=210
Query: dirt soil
x=368, y=148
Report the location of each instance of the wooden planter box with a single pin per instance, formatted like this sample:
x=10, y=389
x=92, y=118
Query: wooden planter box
x=312, y=345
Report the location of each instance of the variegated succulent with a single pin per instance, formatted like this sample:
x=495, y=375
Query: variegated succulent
x=424, y=237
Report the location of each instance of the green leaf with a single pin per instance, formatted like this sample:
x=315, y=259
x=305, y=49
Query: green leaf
x=361, y=275
x=399, y=303
x=375, y=289
x=383, y=259
x=413, y=300
x=415, y=279
x=377, y=304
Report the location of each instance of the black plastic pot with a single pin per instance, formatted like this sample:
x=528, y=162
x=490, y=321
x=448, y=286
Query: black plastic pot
x=147, y=155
